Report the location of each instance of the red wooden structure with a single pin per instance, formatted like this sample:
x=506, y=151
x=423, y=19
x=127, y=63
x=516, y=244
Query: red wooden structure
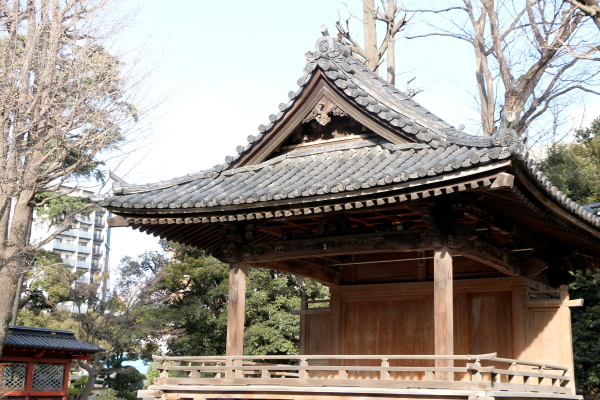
x=35, y=362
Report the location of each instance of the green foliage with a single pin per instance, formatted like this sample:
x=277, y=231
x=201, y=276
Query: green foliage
x=54, y=209
x=575, y=168
x=106, y=394
x=57, y=319
x=129, y=380
x=152, y=374
x=49, y=280
x=126, y=396
x=76, y=387
x=586, y=328
x=195, y=289
x=133, y=271
x=587, y=134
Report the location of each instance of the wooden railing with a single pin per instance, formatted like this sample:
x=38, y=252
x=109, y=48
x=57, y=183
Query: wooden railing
x=470, y=372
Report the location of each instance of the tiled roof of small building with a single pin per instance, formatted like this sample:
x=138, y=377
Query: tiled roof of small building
x=39, y=338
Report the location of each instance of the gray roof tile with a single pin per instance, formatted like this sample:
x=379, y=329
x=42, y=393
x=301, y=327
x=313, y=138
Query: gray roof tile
x=21, y=336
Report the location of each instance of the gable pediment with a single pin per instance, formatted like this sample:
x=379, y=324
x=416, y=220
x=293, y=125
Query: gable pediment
x=333, y=85
x=316, y=118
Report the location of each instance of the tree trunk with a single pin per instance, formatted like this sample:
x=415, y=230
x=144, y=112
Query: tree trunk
x=8, y=284
x=17, y=300
x=391, y=50
x=93, y=372
x=370, y=31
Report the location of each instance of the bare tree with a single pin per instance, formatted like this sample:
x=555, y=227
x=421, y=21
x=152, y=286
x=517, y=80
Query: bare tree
x=591, y=8
x=63, y=104
x=371, y=54
x=525, y=56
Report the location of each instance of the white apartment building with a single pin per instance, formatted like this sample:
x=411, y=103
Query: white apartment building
x=85, y=247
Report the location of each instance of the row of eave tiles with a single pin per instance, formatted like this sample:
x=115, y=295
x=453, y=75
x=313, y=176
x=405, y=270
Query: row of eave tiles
x=317, y=174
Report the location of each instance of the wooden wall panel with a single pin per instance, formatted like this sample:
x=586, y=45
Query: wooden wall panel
x=365, y=319
x=318, y=327
x=550, y=336
x=491, y=325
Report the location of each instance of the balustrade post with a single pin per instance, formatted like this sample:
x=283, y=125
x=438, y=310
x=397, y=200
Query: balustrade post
x=475, y=371
x=164, y=373
x=265, y=374
x=385, y=374
x=229, y=371
x=302, y=373
x=193, y=373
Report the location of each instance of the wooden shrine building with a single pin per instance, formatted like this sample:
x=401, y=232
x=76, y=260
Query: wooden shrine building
x=444, y=252
x=36, y=362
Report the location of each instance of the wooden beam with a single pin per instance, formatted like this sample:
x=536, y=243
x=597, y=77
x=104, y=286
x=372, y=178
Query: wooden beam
x=503, y=180
x=116, y=222
x=304, y=268
x=554, y=303
x=490, y=255
x=330, y=246
x=443, y=309
x=236, y=305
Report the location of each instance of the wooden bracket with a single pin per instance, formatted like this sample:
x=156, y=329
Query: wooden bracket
x=554, y=303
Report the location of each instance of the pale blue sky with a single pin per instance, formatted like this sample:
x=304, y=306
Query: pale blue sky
x=226, y=65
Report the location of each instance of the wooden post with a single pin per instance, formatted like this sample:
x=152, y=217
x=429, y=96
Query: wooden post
x=443, y=309
x=236, y=309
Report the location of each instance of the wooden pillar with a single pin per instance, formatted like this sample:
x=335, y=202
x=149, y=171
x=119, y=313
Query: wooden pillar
x=236, y=309
x=443, y=309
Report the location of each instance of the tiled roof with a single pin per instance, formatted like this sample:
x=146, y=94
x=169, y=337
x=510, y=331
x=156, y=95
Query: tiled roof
x=21, y=336
x=313, y=172
x=370, y=92
x=438, y=149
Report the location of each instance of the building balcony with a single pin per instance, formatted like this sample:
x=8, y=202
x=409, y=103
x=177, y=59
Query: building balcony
x=85, y=235
x=84, y=219
x=64, y=246
x=83, y=249
x=83, y=264
x=99, y=238
x=70, y=232
x=390, y=376
x=99, y=223
x=69, y=263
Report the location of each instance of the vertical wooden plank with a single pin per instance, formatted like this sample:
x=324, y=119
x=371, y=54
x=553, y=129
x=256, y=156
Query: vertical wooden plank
x=335, y=303
x=443, y=309
x=462, y=331
x=335, y=330
x=421, y=266
x=236, y=309
x=519, y=334
x=567, y=338
x=303, y=328
x=518, y=322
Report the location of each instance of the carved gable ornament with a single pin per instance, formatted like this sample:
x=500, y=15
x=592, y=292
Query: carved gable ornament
x=323, y=111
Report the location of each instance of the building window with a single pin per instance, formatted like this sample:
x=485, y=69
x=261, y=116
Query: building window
x=47, y=377
x=80, y=258
x=12, y=375
x=58, y=240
